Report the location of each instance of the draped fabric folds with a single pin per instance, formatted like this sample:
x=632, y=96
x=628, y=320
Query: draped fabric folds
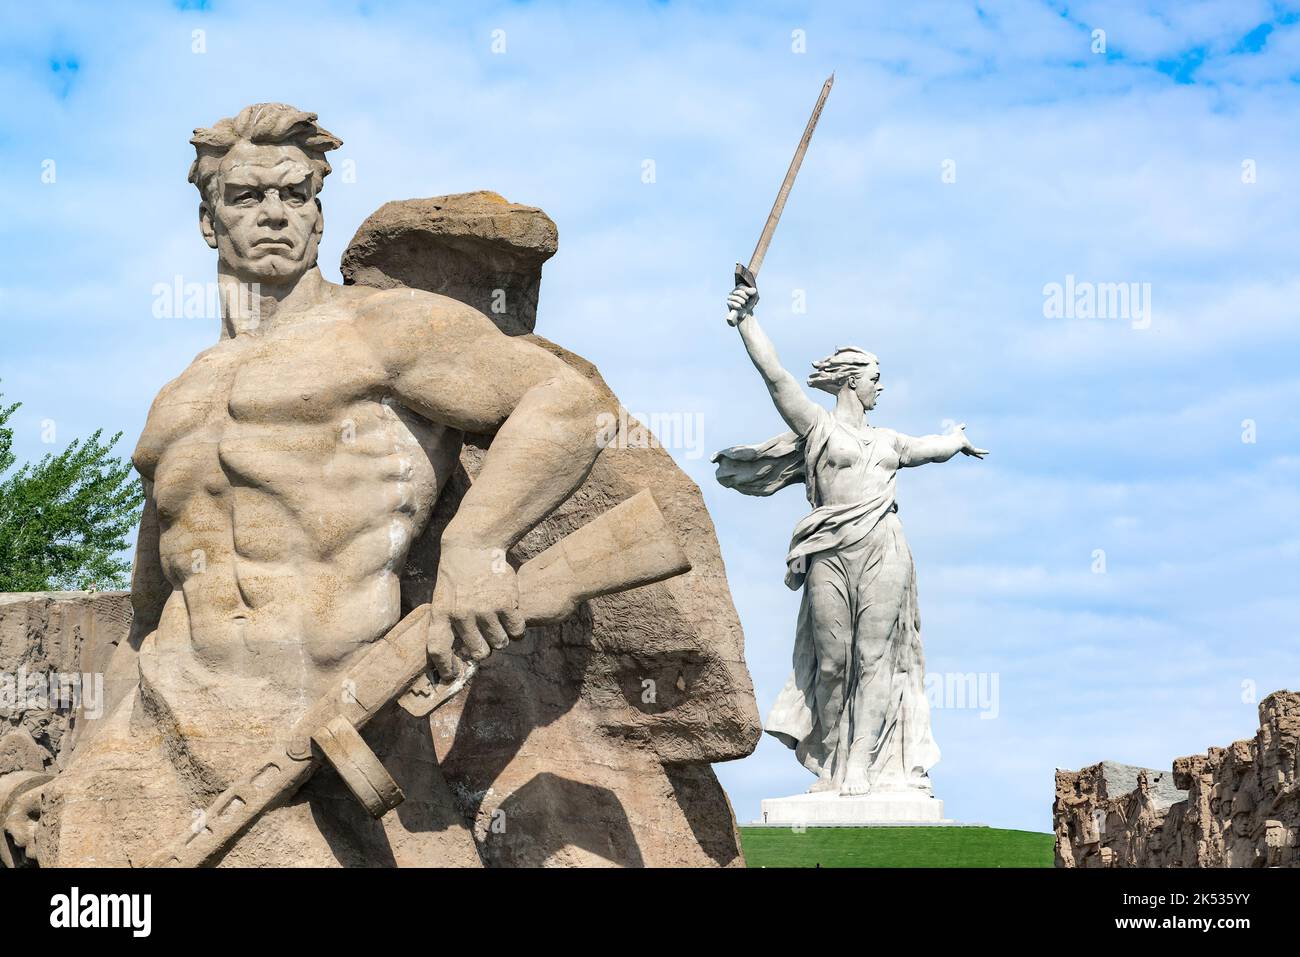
x=854, y=709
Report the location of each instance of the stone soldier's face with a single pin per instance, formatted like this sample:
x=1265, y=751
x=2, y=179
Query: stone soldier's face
x=266, y=222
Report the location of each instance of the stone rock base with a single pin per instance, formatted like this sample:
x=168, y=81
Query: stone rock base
x=890, y=807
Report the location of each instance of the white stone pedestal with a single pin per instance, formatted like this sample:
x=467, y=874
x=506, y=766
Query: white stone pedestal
x=832, y=809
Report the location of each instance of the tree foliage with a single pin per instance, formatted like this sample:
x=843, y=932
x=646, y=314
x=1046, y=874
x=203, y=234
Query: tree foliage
x=64, y=520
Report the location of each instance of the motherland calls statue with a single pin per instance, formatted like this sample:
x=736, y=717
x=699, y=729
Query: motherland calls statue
x=854, y=710
x=289, y=471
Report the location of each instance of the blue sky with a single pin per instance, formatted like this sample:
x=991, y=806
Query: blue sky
x=1118, y=166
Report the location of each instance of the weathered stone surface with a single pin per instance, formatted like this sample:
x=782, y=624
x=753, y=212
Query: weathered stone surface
x=20, y=752
x=583, y=743
x=475, y=247
x=557, y=738
x=593, y=739
x=1105, y=812
x=1231, y=807
x=60, y=633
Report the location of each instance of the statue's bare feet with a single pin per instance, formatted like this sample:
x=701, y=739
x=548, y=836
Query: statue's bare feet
x=856, y=787
x=822, y=785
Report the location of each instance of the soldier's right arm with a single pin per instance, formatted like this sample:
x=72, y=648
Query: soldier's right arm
x=150, y=588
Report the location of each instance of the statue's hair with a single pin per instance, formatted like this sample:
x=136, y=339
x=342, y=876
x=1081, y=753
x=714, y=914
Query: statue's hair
x=831, y=373
x=270, y=123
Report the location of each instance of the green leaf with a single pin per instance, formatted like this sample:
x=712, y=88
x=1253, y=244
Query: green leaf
x=64, y=521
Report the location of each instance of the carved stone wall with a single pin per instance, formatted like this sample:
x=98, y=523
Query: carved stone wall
x=1237, y=806
x=51, y=633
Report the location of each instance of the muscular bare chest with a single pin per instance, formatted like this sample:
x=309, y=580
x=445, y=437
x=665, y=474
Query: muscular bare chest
x=284, y=445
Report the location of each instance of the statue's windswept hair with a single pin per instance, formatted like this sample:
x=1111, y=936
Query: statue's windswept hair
x=261, y=123
x=830, y=374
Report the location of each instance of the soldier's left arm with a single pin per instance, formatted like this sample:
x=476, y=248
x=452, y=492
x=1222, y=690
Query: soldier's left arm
x=450, y=364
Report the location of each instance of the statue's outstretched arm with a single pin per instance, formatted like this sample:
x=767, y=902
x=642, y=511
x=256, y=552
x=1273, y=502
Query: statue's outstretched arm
x=924, y=449
x=799, y=411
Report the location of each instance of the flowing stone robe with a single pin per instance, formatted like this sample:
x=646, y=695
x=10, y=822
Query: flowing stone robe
x=854, y=710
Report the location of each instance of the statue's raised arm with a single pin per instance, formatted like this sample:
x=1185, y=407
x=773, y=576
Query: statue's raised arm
x=854, y=709
x=798, y=410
